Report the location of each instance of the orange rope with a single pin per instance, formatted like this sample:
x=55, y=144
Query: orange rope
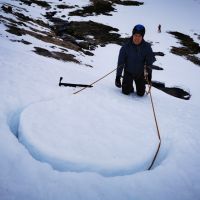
x=156, y=122
x=96, y=81
x=148, y=92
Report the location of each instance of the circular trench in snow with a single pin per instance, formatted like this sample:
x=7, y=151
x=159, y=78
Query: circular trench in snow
x=112, y=137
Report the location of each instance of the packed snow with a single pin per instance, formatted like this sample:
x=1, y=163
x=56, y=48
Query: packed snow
x=74, y=133
x=98, y=144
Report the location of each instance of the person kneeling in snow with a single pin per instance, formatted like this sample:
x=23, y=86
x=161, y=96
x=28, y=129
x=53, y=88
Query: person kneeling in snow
x=133, y=56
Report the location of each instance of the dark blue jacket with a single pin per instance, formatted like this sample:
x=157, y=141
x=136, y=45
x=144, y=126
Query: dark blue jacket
x=132, y=58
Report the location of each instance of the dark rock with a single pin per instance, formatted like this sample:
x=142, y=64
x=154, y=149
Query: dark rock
x=198, y=36
x=173, y=91
x=101, y=33
x=177, y=92
x=187, y=42
x=98, y=7
x=7, y=8
x=45, y=37
x=88, y=53
x=22, y=41
x=128, y=3
x=189, y=48
x=63, y=50
x=78, y=36
x=181, y=51
x=87, y=35
x=67, y=37
x=60, y=26
x=50, y=14
x=25, y=42
x=15, y=30
x=63, y=6
x=84, y=45
x=58, y=21
x=193, y=59
x=26, y=2
x=22, y=17
x=55, y=41
x=158, y=84
x=41, y=3
x=57, y=55
x=158, y=53
x=104, y=7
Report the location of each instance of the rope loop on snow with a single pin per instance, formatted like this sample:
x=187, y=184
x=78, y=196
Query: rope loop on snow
x=152, y=104
x=155, y=119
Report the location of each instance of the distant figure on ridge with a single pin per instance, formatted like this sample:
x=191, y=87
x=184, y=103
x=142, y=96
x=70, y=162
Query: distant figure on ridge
x=159, y=28
x=133, y=57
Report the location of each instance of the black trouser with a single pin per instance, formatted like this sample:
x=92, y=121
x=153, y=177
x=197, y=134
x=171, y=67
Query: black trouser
x=127, y=84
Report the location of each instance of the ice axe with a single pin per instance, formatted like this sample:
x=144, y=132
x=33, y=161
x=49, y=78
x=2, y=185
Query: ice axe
x=72, y=84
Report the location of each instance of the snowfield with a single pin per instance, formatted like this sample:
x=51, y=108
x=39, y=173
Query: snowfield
x=68, y=133
x=98, y=144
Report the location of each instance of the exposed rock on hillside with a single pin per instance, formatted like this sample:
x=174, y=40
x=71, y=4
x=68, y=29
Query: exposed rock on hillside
x=104, y=7
x=189, y=48
x=78, y=36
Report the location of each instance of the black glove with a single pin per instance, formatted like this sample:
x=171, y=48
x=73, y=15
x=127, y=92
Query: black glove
x=118, y=82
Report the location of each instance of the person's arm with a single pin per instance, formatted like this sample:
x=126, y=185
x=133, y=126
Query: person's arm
x=120, y=66
x=121, y=61
x=150, y=59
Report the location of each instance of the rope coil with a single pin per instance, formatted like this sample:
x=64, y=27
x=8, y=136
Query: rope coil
x=155, y=119
x=153, y=108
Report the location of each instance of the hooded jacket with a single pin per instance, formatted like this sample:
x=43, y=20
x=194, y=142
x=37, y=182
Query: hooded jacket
x=132, y=58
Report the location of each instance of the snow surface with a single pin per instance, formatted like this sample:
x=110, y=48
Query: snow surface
x=74, y=133
x=99, y=143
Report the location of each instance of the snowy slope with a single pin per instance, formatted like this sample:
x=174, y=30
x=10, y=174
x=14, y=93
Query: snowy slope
x=98, y=144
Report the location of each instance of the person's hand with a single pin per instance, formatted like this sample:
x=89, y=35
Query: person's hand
x=118, y=82
x=149, y=75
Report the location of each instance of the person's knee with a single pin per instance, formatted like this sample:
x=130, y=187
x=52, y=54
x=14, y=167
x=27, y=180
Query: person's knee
x=141, y=93
x=125, y=91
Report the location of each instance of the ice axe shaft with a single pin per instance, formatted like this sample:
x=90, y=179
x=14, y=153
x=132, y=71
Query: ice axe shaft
x=155, y=67
x=72, y=84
